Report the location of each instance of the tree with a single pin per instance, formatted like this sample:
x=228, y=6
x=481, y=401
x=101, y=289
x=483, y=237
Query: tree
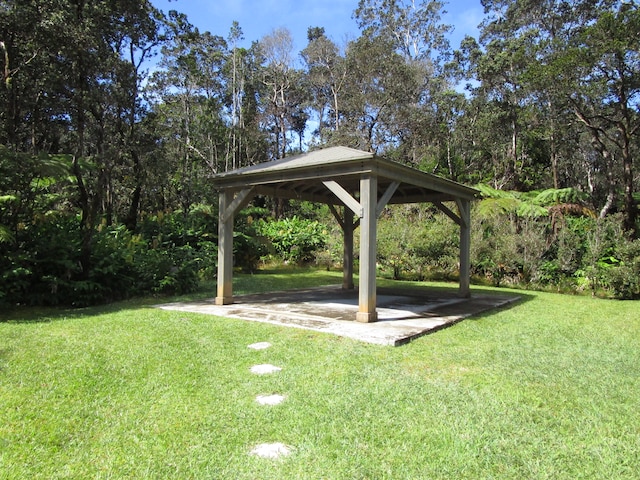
x=413, y=31
x=236, y=86
x=325, y=77
x=189, y=92
x=379, y=85
x=283, y=94
x=85, y=99
x=413, y=28
x=604, y=63
x=565, y=60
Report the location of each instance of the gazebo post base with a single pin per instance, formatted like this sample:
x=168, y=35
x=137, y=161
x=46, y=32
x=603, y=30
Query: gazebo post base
x=364, y=317
x=224, y=300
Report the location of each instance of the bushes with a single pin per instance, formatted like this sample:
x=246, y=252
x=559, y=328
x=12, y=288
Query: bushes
x=623, y=275
x=294, y=239
x=417, y=242
x=572, y=255
x=248, y=248
x=42, y=263
x=563, y=253
x=170, y=255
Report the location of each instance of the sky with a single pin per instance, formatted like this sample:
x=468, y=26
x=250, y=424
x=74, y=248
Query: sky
x=260, y=17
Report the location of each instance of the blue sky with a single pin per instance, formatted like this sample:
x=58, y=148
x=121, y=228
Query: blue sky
x=260, y=17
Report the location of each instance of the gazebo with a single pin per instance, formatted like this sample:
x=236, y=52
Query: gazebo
x=356, y=185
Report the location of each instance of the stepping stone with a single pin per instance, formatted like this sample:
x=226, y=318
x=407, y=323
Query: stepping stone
x=259, y=345
x=271, y=450
x=270, y=399
x=264, y=368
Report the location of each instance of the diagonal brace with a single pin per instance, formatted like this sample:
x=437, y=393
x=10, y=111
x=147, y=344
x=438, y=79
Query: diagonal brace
x=391, y=189
x=240, y=200
x=345, y=197
x=451, y=214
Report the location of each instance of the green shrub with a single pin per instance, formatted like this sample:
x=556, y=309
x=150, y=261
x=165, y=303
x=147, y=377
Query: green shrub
x=248, y=248
x=623, y=277
x=294, y=239
x=41, y=267
x=419, y=242
x=495, y=249
x=44, y=267
x=174, y=252
x=395, y=234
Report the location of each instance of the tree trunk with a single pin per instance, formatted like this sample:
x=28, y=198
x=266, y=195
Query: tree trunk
x=630, y=224
x=602, y=149
x=131, y=221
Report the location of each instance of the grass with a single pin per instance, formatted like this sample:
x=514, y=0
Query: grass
x=545, y=389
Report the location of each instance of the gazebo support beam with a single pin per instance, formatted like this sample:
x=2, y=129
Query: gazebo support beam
x=368, y=226
x=463, y=219
x=464, y=206
x=228, y=206
x=448, y=212
x=348, y=226
x=347, y=258
x=391, y=189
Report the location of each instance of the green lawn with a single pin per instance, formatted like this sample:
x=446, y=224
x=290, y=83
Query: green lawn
x=549, y=388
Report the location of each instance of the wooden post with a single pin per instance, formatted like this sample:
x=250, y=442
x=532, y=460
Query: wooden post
x=347, y=259
x=465, y=246
x=368, y=225
x=225, y=250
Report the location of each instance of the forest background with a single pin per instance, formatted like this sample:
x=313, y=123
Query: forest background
x=114, y=115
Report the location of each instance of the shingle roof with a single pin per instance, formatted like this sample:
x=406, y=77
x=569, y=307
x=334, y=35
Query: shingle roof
x=302, y=176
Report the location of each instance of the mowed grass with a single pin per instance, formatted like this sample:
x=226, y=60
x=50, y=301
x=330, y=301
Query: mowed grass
x=549, y=388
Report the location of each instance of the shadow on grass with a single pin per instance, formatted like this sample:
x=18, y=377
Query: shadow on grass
x=263, y=281
x=285, y=278
x=29, y=314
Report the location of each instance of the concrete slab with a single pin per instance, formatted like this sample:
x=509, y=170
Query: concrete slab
x=402, y=314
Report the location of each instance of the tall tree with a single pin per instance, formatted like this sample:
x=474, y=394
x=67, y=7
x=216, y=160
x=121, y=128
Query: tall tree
x=72, y=72
x=326, y=75
x=189, y=93
x=32, y=112
x=604, y=63
x=236, y=87
x=414, y=31
x=379, y=87
x=284, y=97
x=412, y=27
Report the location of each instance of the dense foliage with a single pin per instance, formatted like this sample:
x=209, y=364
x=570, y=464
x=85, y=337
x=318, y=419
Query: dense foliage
x=114, y=113
x=558, y=252
x=294, y=239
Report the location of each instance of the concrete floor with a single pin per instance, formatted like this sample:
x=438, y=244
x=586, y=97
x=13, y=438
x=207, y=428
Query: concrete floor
x=402, y=314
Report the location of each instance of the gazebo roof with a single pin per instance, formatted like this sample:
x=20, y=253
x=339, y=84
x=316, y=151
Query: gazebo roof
x=304, y=177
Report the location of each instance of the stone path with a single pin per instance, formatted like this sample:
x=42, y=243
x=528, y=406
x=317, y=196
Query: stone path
x=270, y=399
x=271, y=450
x=264, y=369
x=277, y=449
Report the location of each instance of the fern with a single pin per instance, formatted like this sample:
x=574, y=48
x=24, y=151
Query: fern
x=490, y=192
x=491, y=207
x=7, y=198
x=534, y=204
x=526, y=209
x=5, y=235
x=555, y=196
x=55, y=166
